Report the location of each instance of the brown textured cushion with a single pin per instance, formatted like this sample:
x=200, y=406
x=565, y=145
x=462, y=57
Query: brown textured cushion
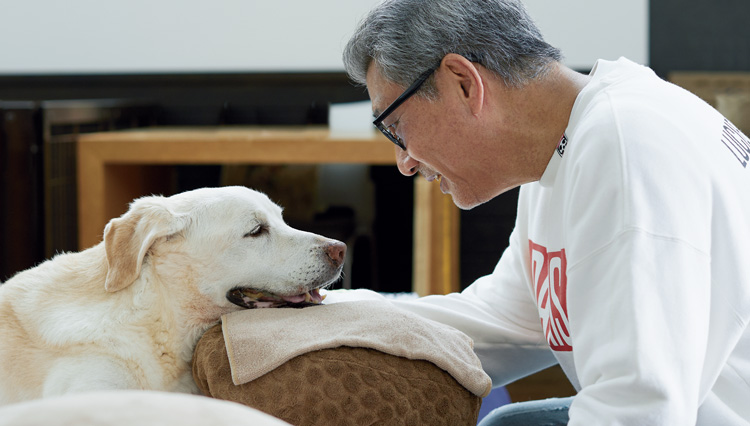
x=340, y=386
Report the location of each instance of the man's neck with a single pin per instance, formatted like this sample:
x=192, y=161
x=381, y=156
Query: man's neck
x=546, y=107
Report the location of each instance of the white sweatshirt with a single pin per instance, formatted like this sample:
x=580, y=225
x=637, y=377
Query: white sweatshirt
x=630, y=260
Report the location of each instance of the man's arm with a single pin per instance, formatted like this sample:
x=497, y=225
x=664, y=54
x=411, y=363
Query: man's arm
x=498, y=312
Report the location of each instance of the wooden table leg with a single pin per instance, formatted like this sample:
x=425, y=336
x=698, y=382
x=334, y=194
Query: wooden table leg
x=436, y=240
x=106, y=190
x=91, y=192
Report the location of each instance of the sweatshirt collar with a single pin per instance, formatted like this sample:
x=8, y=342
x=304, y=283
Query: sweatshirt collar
x=548, y=177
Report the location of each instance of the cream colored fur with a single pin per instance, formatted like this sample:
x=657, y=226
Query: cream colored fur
x=127, y=313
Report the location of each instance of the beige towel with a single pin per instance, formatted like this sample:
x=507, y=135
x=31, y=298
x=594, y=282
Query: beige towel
x=260, y=340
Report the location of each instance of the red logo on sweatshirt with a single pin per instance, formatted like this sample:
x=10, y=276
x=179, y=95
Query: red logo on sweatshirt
x=550, y=287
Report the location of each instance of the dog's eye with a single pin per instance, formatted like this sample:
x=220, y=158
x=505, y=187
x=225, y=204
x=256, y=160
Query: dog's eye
x=258, y=230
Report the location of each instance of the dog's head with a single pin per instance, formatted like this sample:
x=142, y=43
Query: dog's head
x=228, y=244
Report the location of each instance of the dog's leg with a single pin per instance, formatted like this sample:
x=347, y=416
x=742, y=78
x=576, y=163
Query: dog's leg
x=71, y=375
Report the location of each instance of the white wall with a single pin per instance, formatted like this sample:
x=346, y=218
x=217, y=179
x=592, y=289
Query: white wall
x=101, y=36
x=587, y=30
x=134, y=36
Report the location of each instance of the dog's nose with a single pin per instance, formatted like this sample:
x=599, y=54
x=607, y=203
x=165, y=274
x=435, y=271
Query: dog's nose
x=336, y=251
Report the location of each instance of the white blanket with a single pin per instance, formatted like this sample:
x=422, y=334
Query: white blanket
x=260, y=340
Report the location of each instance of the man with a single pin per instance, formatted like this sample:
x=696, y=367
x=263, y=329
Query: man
x=628, y=264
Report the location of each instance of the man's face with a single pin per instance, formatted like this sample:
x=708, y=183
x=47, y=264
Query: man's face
x=435, y=139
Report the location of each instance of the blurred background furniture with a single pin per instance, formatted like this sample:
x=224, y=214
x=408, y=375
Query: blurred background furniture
x=38, y=192
x=116, y=167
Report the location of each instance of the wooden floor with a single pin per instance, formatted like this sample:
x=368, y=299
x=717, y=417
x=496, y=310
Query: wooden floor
x=547, y=383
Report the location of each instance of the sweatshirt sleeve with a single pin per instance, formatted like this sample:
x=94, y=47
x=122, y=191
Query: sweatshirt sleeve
x=498, y=312
x=639, y=314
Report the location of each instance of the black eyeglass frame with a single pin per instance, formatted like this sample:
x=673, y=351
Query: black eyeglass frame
x=378, y=122
x=411, y=90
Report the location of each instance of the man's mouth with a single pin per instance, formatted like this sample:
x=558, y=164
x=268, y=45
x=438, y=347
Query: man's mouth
x=253, y=299
x=439, y=178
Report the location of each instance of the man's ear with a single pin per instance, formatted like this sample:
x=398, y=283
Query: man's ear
x=466, y=79
x=128, y=238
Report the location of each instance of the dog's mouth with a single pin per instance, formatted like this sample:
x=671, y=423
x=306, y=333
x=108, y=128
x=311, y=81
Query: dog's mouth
x=253, y=299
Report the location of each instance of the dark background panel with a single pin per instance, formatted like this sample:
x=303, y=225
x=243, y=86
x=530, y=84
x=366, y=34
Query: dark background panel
x=699, y=35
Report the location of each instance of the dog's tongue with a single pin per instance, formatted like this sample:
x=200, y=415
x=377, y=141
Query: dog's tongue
x=313, y=296
x=294, y=299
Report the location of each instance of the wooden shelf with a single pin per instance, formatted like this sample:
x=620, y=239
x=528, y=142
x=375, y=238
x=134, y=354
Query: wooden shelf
x=116, y=167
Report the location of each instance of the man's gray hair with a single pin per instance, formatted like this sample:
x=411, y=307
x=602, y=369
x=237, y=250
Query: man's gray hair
x=407, y=37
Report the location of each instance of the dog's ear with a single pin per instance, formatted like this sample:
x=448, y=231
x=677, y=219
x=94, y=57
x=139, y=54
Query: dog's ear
x=127, y=239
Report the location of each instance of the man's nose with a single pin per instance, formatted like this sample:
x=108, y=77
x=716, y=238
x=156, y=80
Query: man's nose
x=406, y=165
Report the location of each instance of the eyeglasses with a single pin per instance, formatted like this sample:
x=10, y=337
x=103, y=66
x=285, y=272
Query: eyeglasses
x=387, y=130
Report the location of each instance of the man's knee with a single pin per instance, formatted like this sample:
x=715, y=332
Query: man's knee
x=547, y=412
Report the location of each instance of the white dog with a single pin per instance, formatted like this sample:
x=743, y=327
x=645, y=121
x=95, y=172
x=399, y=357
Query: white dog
x=127, y=313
